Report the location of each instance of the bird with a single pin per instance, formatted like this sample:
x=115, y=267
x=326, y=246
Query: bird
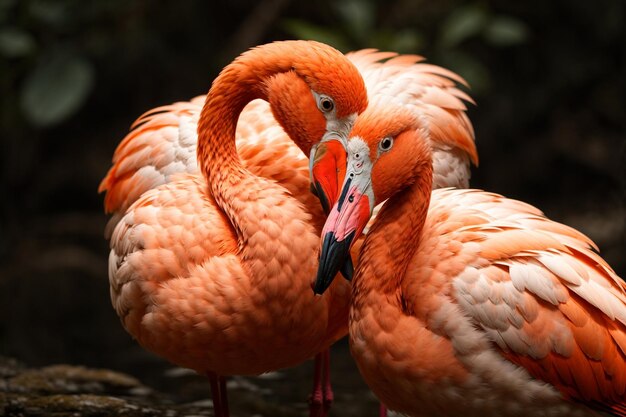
x=162, y=145
x=465, y=302
x=212, y=270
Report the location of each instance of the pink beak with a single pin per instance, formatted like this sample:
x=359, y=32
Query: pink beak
x=344, y=225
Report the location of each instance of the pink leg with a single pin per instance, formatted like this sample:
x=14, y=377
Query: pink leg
x=329, y=396
x=317, y=397
x=382, y=410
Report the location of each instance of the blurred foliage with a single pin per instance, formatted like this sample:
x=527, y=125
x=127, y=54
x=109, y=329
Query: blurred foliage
x=47, y=49
x=56, y=87
x=358, y=24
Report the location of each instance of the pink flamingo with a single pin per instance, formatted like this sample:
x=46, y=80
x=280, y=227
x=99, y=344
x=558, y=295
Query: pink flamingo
x=465, y=302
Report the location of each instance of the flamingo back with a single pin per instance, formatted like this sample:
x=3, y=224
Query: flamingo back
x=535, y=289
x=432, y=93
x=162, y=142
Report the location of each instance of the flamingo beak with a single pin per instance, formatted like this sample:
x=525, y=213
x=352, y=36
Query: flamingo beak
x=327, y=166
x=344, y=225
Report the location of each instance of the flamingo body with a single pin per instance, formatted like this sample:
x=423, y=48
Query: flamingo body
x=163, y=142
x=496, y=299
x=210, y=271
x=468, y=303
x=204, y=309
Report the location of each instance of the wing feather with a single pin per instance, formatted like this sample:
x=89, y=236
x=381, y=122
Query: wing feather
x=429, y=90
x=547, y=277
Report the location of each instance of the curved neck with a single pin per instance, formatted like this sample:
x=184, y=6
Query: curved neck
x=246, y=78
x=395, y=236
x=231, y=185
x=321, y=67
x=237, y=85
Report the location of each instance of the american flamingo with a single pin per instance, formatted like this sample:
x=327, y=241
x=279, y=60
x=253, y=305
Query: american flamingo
x=162, y=145
x=465, y=302
x=212, y=271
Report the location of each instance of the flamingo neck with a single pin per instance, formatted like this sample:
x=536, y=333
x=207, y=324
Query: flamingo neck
x=255, y=206
x=395, y=236
x=239, y=83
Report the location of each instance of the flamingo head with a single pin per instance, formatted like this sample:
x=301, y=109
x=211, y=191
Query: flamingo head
x=317, y=102
x=314, y=91
x=385, y=153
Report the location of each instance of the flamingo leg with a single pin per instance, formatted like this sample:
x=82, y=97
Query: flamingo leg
x=224, y=397
x=382, y=411
x=220, y=409
x=317, y=397
x=328, y=394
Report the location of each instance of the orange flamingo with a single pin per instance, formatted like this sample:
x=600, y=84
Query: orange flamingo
x=213, y=271
x=162, y=145
x=465, y=302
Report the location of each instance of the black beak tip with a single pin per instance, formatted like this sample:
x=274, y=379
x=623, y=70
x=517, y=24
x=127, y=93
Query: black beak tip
x=319, y=287
x=335, y=257
x=347, y=270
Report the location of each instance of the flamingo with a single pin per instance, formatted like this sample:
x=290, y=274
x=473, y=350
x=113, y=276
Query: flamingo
x=211, y=271
x=162, y=145
x=465, y=302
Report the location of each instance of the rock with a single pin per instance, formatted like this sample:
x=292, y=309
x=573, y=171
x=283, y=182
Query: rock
x=67, y=390
x=68, y=379
x=79, y=391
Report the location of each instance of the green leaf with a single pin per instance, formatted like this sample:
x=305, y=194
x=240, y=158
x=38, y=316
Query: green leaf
x=15, y=43
x=462, y=24
x=56, y=88
x=303, y=30
x=506, y=31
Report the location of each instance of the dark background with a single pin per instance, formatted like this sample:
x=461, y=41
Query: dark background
x=548, y=79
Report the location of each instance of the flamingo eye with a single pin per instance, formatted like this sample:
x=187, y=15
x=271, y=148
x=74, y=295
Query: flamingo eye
x=385, y=144
x=325, y=104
